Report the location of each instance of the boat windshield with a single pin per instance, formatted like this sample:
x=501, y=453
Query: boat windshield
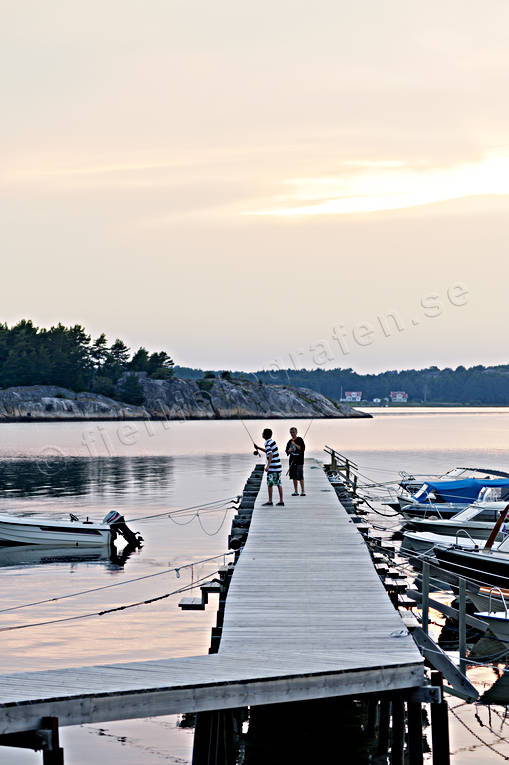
x=493, y=494
x=468, y=514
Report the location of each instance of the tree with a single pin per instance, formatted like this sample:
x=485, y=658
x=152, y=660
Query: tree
x=99, y=352
x=119, y=352
x=131, y=390
x=65, y=356
x=140, y=361
x=160, y=366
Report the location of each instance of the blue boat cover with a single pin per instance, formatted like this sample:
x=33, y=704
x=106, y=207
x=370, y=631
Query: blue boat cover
x=465, y=490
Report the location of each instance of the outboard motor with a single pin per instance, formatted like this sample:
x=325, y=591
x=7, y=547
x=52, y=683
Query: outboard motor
x=117, y=524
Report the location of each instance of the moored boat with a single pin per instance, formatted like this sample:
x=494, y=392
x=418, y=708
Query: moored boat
x=446, y=498
x=477, y=519
x=426, y=541
x=19, y=530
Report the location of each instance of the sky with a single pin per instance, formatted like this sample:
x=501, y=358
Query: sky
x=260, y=185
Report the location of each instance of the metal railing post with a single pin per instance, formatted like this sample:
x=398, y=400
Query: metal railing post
x=462, y=624
x=425, y=597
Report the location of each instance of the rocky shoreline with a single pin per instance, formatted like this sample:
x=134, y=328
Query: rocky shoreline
x=174, y=399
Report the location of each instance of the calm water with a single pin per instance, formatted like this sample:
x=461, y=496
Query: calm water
x=143, y=469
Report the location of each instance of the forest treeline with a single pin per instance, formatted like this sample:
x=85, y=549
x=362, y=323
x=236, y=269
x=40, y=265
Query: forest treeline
x=70, y=358
x=463, y=385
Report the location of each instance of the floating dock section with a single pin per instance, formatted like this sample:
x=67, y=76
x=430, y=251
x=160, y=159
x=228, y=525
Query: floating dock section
x=305, y=618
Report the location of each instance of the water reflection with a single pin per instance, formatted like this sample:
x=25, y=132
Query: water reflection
x=79, y=476
x=37, y=555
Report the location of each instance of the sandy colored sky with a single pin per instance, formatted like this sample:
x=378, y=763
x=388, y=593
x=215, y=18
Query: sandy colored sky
x=256, y=184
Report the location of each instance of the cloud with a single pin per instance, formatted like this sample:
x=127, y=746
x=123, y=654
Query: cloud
x=391, y=186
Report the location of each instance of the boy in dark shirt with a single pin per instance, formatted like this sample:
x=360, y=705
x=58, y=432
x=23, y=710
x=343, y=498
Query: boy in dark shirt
x=295, y=449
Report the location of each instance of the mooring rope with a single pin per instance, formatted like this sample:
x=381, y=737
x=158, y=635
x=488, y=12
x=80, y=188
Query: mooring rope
x=174, y=570
x=167, y=513
x=115, y=609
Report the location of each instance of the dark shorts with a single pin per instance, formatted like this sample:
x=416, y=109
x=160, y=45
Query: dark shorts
x=296, y=472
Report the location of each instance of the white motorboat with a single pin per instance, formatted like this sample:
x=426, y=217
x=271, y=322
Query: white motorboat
x=19, y=530
x=477, y=519
x=425, y=541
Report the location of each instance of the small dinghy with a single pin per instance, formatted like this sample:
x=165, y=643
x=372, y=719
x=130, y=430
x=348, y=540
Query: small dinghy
x=16, y=530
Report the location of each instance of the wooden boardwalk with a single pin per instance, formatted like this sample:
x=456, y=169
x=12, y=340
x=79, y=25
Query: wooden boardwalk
x=306, y=617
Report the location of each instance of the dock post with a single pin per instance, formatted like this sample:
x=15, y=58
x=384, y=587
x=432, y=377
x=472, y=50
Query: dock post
x=213, y=738
x=439, y=725
x=398, y=732
x=425, y=597
x=414, y=717
x=462, y=625
x=54, y=755
x=372, y=711
x=383, y=726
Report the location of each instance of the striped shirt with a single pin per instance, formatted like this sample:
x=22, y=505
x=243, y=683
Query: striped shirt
x=271, y=448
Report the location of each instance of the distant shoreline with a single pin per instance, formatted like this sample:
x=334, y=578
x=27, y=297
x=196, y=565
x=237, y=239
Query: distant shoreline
x=174, y=399
x=433, y=406
x=155, y=418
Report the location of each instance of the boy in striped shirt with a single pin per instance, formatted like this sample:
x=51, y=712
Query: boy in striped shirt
x=273, y=468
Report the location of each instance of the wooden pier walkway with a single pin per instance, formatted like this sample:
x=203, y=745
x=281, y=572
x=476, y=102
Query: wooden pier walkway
x=306, y=617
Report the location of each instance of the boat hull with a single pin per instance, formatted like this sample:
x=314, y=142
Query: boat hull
x=443, y=510
x=477, y=530
x=498, y=624
x=423, y=541
x=486, y=568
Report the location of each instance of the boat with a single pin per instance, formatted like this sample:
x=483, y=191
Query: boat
x=19, y=530
x=426, y=541
x=477, y=519
x=446, y=498
x=411, y=483
x=489, y=565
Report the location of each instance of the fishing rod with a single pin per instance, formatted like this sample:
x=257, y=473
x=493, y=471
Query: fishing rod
x=307, y=429
x=256, y=452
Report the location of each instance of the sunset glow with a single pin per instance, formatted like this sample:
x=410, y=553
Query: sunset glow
x=390, y=186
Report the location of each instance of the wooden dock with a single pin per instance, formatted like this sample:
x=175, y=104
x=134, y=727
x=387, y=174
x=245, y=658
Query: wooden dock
x=306, y=617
